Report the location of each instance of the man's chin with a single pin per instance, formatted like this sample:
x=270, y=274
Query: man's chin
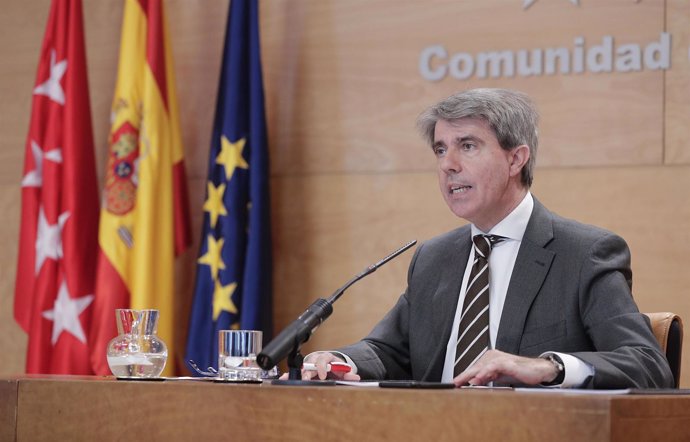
x=460, y=210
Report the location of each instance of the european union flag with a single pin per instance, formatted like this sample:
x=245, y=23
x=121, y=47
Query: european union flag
x=233, y=279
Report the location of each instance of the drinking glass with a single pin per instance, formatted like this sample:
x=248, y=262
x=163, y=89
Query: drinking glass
x=237, y=350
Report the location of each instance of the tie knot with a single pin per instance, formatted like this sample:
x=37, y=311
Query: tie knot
x=484, y=243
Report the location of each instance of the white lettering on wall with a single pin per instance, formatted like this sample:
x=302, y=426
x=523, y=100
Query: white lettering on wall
x=435, y=62
x=425, y=63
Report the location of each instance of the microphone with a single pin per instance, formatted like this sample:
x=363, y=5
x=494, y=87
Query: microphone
x=299, y=332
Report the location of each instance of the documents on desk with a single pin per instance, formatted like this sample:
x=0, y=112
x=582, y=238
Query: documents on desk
x=363, y=384
x=573, y=391
x=424, y=385
x=566, y=391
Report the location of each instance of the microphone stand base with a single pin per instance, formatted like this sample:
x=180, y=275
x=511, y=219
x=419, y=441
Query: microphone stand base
x=303, y=383
x=295, y=360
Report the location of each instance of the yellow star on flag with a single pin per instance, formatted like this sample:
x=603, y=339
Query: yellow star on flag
x=214, y=203
x=230, y=156
x=222, y=299
x=212, y=256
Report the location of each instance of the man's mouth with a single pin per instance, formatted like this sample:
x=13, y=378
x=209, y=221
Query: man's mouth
x=459, y=189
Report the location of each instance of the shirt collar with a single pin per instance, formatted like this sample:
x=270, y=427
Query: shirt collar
x=514, y=225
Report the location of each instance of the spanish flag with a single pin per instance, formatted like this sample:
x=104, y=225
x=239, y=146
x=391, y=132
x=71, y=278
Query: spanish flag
x=144, y=215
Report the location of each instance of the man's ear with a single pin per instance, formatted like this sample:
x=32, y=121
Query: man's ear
x=518, y=159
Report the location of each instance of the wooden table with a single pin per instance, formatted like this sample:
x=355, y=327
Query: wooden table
x=104, y=409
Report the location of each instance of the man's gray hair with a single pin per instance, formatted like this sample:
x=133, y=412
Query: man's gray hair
x=511, y=115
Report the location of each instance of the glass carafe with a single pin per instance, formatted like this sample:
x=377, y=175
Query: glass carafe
x=137, y=351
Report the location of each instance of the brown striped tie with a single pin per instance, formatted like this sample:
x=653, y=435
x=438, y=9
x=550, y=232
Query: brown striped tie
x=473, y=331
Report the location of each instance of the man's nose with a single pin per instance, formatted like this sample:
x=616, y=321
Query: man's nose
x=450, y=162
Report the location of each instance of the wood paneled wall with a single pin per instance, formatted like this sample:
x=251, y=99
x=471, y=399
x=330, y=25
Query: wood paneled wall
x=351, y=179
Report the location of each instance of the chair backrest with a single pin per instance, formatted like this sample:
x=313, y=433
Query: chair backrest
x=668, y=330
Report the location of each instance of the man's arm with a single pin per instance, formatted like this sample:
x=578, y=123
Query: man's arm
x=385, y=352
x=627, y=353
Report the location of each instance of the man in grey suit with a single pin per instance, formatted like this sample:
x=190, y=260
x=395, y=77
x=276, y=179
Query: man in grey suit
x=560, y=310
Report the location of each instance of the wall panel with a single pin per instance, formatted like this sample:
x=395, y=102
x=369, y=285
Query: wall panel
x=343, y=76
x=677, y=90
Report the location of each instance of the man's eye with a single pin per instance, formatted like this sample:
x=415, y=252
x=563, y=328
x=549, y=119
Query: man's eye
x=439, y=150
x=468, y=146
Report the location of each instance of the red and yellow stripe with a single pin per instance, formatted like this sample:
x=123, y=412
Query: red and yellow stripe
x=139, y=246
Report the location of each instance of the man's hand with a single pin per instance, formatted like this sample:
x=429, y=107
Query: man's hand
x=321, y=359
x=504, y=368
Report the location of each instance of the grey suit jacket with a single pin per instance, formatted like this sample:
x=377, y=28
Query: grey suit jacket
x=570, y=292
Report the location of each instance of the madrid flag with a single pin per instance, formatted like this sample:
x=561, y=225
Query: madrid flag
x=59, y=224
x=144, y=214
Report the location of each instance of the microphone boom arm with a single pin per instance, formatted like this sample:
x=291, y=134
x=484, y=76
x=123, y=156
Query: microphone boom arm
x=371, y=269
x=289, y=341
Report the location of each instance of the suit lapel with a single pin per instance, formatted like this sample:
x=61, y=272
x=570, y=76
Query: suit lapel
x=445, y=300
x=446, y=297
x=531, y=267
